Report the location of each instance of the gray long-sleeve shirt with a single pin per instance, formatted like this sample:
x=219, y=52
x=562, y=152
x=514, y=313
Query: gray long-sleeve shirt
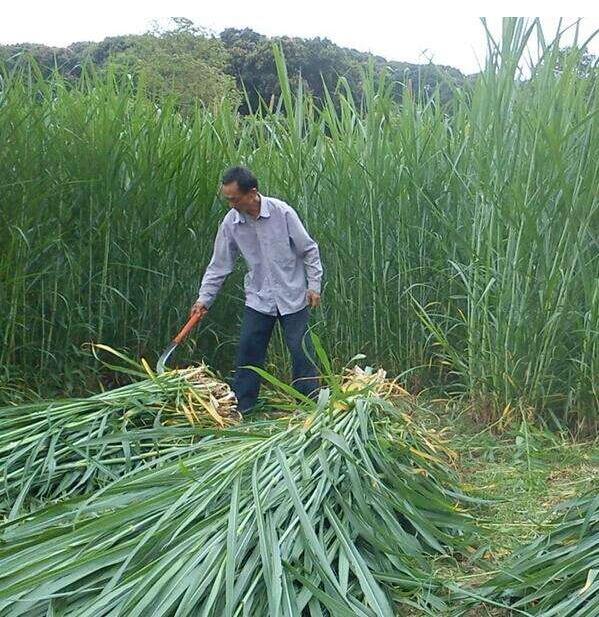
x=283, y=261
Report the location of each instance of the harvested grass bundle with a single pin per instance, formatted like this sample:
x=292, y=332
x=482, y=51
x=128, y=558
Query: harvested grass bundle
x=331, y=511
x=51, y=450
x=557, y=575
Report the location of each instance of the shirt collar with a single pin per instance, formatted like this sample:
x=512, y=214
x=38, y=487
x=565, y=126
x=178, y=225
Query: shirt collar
x=264, y=211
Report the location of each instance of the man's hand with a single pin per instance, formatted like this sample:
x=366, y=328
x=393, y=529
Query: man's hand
x=198, y=307
x=313, y=299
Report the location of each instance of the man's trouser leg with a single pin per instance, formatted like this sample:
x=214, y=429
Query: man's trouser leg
x=295, y=332
x=256, y=329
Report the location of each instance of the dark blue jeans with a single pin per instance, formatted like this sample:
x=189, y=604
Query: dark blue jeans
x=256, y=330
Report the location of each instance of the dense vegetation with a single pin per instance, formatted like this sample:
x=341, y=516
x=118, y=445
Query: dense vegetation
x=459, y=238
x=236, y=64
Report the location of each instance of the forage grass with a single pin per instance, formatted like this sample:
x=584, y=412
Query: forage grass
x=332, y=511
x=557, y=574
x=458, y=239
x=52, y=450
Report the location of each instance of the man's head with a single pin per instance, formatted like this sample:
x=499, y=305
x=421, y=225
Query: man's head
x=240, y=188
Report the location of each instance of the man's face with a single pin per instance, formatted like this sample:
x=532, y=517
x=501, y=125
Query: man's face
x=236, y=198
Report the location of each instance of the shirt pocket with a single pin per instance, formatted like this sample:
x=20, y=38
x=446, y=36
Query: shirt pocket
x=282, y=252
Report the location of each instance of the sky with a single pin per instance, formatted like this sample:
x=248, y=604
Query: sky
x=431, y=32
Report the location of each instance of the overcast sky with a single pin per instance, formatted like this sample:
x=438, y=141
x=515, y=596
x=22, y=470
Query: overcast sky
x=435, y=33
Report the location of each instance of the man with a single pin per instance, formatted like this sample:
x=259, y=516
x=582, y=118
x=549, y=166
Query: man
x=283, y=281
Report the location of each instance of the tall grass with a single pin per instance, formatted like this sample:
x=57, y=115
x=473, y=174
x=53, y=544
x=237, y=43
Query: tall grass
x=459, y=242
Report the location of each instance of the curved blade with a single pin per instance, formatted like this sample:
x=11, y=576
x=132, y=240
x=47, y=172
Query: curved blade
x=161, y=364
x=193, y=320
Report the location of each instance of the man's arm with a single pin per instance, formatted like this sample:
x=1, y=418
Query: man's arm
x=222, y=263
x=308, y=249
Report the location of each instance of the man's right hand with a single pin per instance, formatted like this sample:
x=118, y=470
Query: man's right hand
x=198, y=307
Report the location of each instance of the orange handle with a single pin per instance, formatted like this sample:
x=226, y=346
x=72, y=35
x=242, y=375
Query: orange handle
x=188, y=327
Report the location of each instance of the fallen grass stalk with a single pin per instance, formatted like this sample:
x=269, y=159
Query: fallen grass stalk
x=556, y=575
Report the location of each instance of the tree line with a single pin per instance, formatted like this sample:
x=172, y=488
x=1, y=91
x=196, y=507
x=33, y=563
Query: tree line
x=237, y=65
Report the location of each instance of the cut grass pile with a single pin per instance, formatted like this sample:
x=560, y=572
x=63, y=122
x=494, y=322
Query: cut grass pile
x=335, y=509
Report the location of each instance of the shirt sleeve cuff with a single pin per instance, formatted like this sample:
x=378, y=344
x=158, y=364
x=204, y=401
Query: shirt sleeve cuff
x=205, y=300
x=314, y=286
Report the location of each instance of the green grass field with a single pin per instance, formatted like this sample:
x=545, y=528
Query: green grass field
x=459, y=241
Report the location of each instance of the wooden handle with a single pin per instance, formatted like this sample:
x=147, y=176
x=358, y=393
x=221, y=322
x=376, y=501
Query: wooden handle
x=188, y=327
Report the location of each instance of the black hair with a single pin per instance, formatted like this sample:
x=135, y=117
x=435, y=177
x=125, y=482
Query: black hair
x=245, y=179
